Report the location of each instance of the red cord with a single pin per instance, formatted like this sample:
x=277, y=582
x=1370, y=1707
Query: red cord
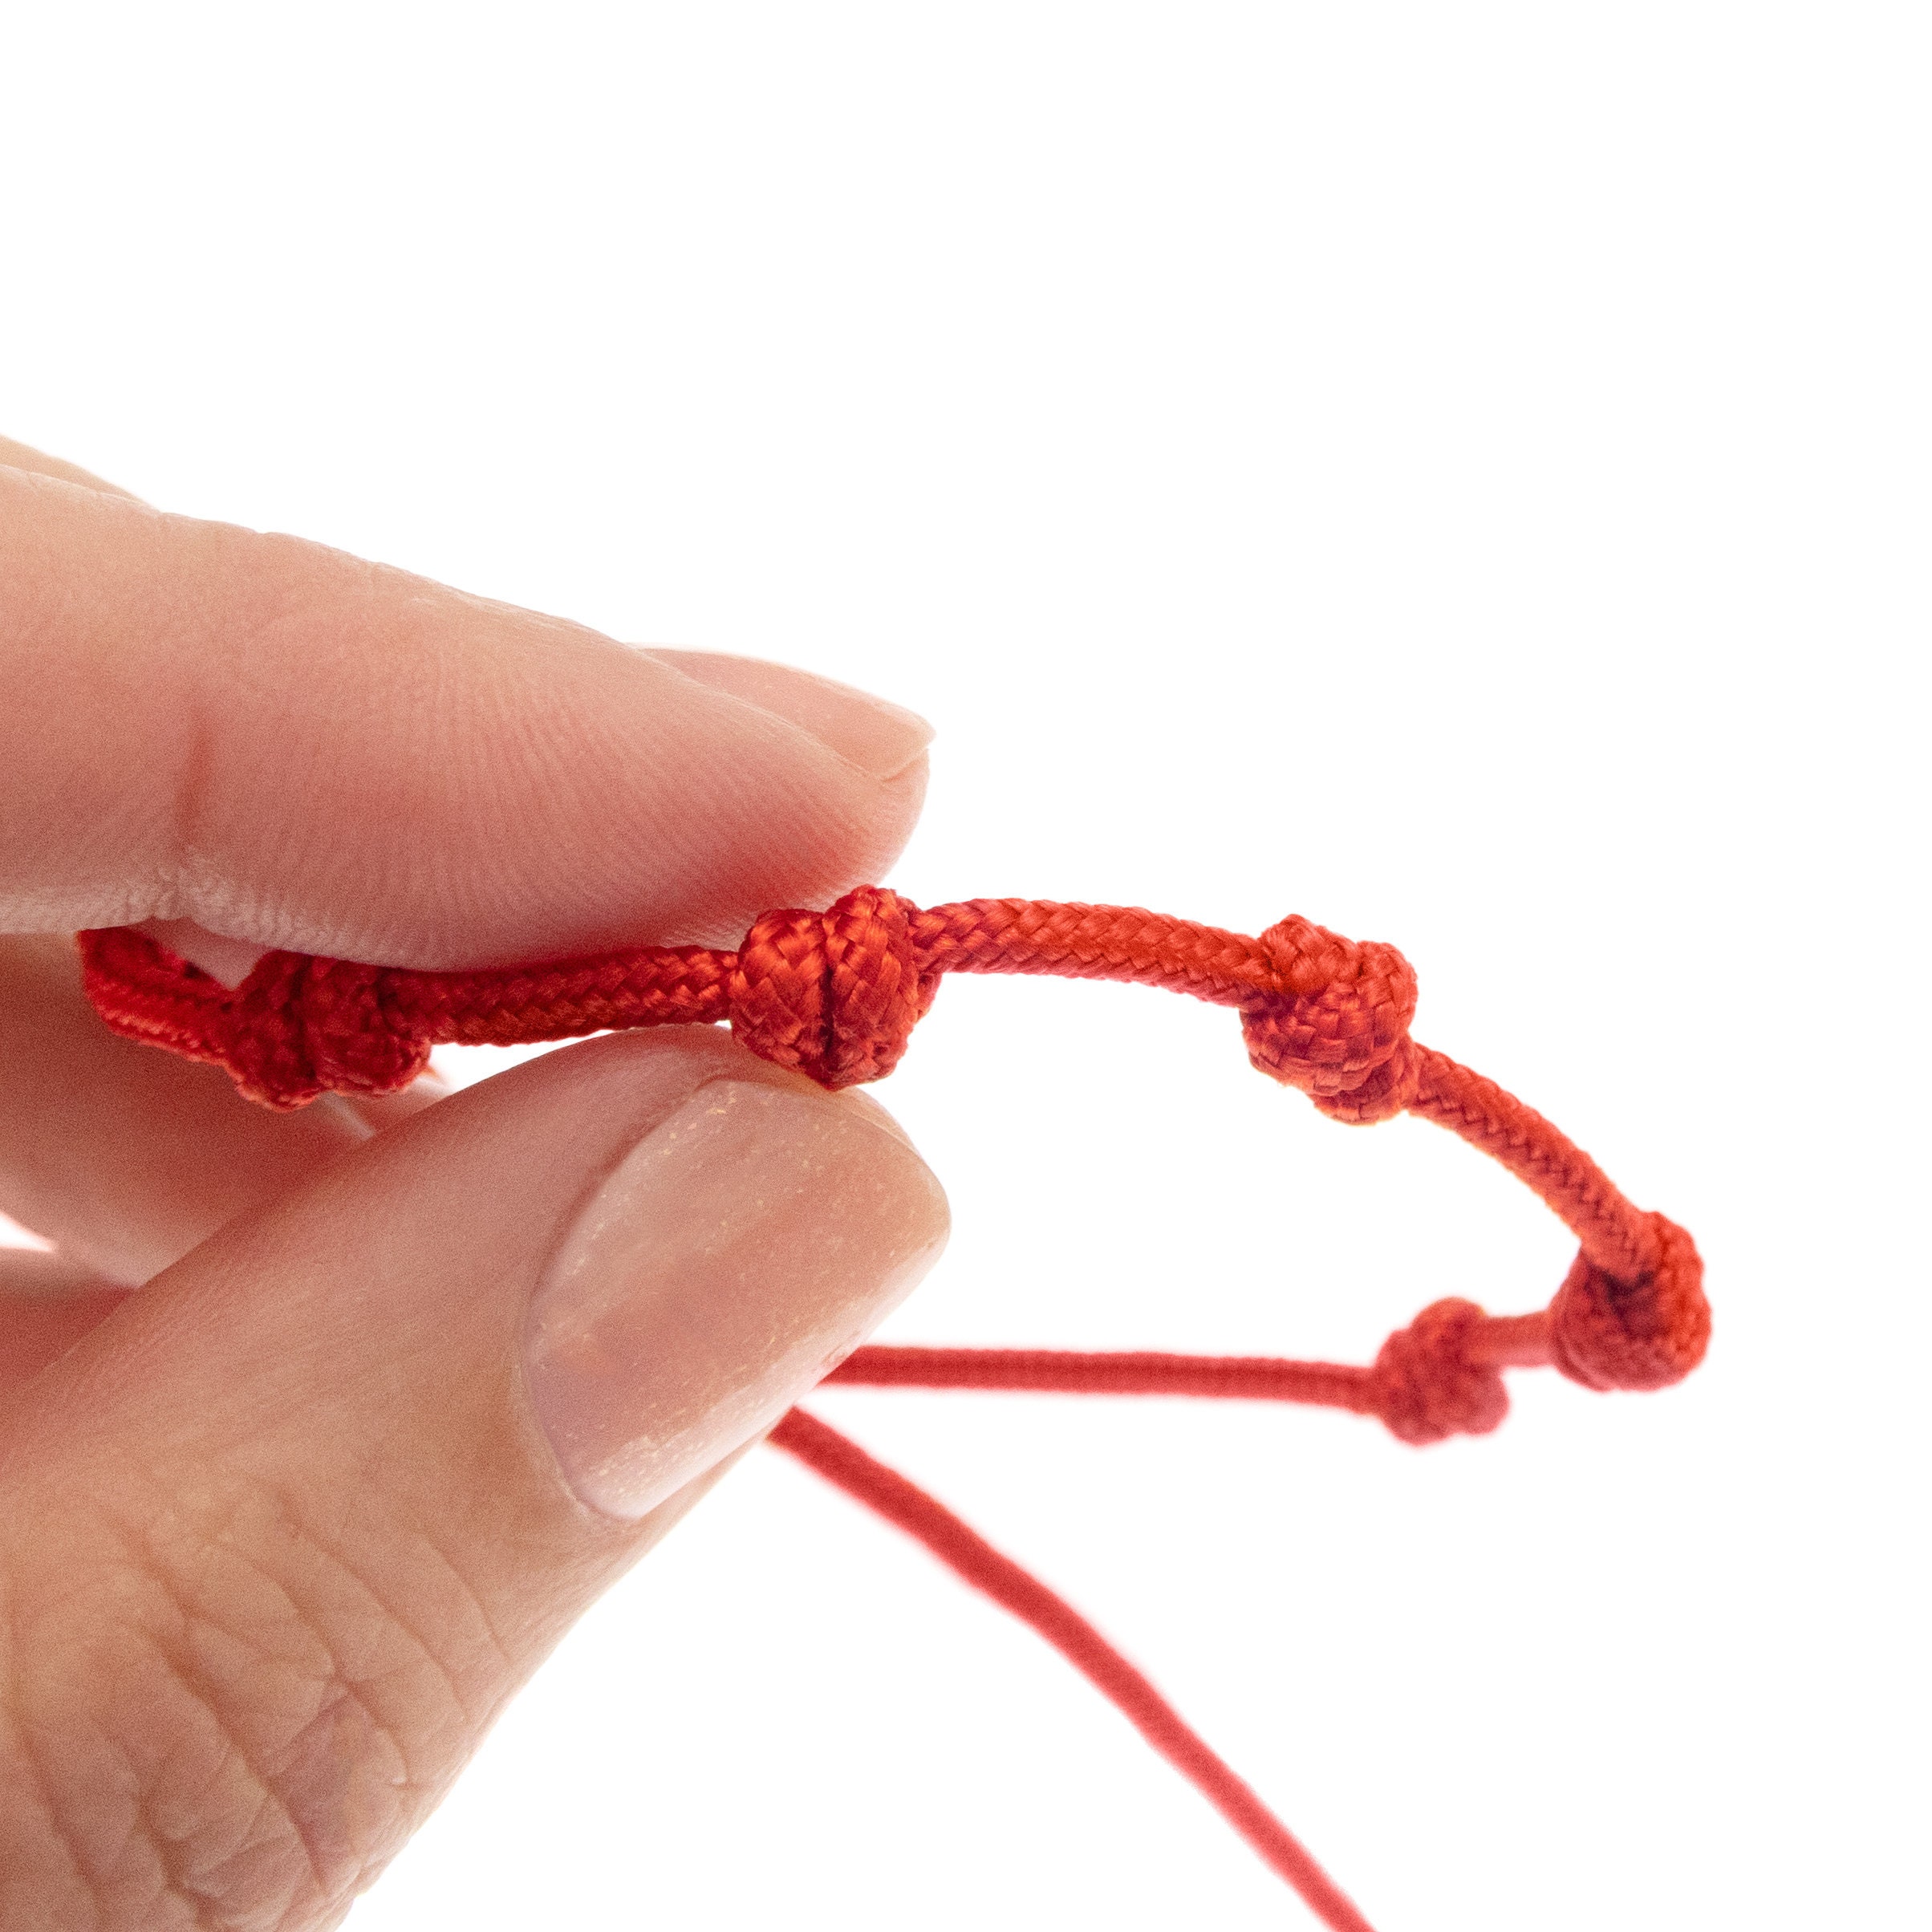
x=1440, y=1376
x=836, y=995
x=844, y=1464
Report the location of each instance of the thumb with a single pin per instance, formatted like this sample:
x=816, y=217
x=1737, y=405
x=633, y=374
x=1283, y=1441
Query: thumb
x=279, y=1537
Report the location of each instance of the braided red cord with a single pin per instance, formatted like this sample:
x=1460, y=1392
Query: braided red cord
x=844, y=1464
x=836, y=995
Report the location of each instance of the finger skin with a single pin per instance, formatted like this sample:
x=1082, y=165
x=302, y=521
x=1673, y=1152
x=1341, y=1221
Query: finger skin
x=48, y=1303
x=868, y=731
x=37, y=462
x=871, y=732
x=279, y=1536
x=302, y=749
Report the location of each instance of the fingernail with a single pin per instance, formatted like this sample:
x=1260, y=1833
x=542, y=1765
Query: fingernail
x=741, y=1250
x=878, y=736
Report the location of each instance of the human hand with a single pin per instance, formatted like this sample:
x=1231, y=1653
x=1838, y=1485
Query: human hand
x=402, y=1385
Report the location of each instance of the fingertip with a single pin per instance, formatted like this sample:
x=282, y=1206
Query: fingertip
x=883, y=739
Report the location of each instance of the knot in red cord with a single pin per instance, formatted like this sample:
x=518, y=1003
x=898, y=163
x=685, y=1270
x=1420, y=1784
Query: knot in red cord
x=302, y=1027
x=1641, y=1334
x=835, y=994
x=1338, y=1027
x=1425, y=1384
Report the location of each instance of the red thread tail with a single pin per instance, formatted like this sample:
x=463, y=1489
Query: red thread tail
x=863, y=1477
x=1132, y=1372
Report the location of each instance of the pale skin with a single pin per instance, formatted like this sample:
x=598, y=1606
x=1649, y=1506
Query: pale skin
x=280, y=1530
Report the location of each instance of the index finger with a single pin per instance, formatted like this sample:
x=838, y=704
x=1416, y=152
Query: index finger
x=302, y=749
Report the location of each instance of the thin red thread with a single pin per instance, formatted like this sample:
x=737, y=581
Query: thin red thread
x=836, y=995
x=963, y=1550
x=1407, y=1386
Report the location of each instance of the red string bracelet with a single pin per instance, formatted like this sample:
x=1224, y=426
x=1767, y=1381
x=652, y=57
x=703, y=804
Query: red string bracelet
x=836, y=995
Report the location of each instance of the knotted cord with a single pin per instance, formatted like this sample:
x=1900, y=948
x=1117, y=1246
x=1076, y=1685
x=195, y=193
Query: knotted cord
x=836, y=995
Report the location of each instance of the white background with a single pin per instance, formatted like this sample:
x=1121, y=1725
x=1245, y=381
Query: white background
x=1458, y=472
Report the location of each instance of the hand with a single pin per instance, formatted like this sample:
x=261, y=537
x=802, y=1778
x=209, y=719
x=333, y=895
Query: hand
x=317, y=1431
